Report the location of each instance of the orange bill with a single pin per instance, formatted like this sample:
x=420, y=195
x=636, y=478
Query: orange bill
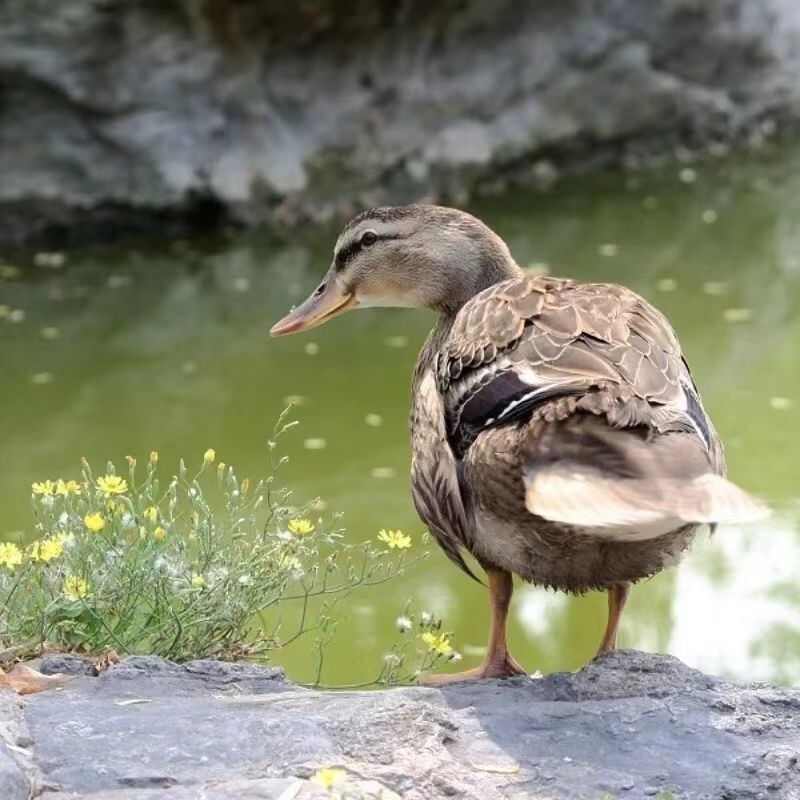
x=327, y=302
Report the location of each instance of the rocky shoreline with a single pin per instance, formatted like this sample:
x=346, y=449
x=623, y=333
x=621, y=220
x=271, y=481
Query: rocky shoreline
x=632, y=725
x=152, y=118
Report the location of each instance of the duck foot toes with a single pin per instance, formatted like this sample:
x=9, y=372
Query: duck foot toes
x=505, y=668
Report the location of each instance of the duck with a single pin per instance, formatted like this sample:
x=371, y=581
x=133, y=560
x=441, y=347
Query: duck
x=557, y=433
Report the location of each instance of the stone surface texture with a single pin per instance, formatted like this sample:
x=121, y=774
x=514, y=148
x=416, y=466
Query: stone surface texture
x=120, y=116
x=631, y=725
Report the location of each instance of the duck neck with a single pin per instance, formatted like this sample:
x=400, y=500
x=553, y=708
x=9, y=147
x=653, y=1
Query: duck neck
x=461, y=292
x=472, y=273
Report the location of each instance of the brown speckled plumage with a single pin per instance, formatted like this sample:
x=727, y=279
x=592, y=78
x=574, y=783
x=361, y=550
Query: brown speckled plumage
x=598, y=355
x=556, y=431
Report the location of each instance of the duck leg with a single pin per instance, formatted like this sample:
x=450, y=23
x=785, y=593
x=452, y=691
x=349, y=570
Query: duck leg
x=498, y=663
x=617, y=597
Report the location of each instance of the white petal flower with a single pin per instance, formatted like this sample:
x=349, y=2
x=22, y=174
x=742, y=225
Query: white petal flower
x=403, y=624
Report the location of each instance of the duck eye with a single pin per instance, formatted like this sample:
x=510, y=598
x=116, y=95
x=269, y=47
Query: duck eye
x=368, y=238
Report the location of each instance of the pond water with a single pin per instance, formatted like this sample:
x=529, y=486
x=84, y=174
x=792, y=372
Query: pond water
x=166, y=346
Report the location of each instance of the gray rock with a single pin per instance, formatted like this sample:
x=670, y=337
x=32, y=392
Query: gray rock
x=65, y=664
x=168, y=676
x=149, y=116
x=16, y=758
x=14, y=785
x=163, y=678
x=631, y=725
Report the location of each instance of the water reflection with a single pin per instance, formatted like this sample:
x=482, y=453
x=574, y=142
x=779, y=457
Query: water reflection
x=168, y=348
x=737, y=603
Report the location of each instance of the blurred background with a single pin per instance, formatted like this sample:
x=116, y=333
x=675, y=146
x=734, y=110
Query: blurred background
x=173, y=176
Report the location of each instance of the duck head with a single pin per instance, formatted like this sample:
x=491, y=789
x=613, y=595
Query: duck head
x=418, y=256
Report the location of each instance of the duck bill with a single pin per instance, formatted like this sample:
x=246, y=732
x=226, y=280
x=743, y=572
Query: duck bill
x=327, y=302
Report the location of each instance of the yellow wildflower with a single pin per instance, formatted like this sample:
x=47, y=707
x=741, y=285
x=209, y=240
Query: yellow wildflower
x=67, y=487
x=75, y=588
x=112, y=484
x=439, y=644
x=328, y=778
x=150, y=513
x=198, y=581
x=47, y=549
x=394, y=540
x=45, y=487
x=50, y=548
x=94, y=522
x=10, y=555
x=210, y=455
x=159, y=534
x=300, y=527
x=154, y=456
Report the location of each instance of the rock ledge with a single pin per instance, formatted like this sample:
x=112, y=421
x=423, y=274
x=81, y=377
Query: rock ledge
x=631, y=725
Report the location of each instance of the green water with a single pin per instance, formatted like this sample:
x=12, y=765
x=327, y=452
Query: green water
x=167, y=347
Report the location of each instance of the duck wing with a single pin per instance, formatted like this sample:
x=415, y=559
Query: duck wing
x=435, y=487
x=625, y=484
x=595, y=371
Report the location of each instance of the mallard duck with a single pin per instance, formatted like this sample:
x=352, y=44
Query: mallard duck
x=557, y=433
